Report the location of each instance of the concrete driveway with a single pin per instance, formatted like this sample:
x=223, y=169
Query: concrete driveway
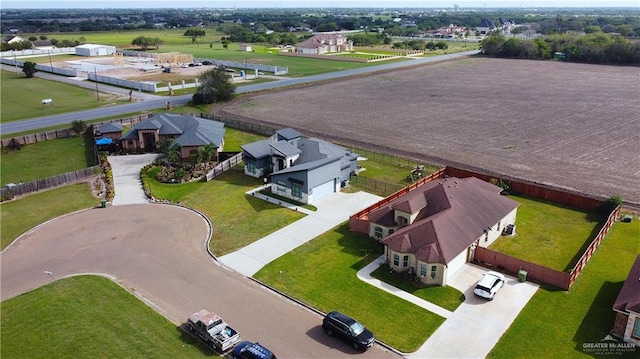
x=477, y=325
x=126, y=178
x=332, y=211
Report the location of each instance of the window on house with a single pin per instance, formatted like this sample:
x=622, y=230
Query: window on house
x=499, y=225
x=486, y=236
x=402, y=221
x=636, y=329
x=296, y=191
x=251, y=167
x=434, y=271
x=423, y=270
x=378, y=232
x=405, y=261
x=391, y=231
x=396, y=260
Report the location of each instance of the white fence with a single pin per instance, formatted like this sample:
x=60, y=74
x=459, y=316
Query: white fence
x=43, y=68
x=37, y=52
x=136, y=85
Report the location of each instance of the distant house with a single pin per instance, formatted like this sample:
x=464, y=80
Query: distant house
x=485, y=27
x=303, y=169
x=627, y=307
x=189, y=132
x=12, y=39
x=43, y=45
x=110, y=130
x=245, y=47
x=323, y=43
x=433, y=230
x=94, y=50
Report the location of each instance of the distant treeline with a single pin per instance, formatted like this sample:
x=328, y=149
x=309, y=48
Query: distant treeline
x=591, y=48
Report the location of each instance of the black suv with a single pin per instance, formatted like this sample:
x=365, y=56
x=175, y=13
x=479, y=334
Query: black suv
x=336, y=323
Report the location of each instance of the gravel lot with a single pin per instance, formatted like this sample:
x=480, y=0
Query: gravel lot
x=573, y=126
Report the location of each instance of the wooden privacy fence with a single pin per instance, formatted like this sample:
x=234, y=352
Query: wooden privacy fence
x=224, y=166
x=49, y=182
x=594, y=245
x=541, y=273
x=510, y=264
x=380, y=186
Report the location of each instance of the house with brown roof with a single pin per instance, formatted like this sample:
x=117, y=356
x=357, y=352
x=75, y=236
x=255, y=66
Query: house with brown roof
x=323, y=43
x=433, y=230
x=627, y=307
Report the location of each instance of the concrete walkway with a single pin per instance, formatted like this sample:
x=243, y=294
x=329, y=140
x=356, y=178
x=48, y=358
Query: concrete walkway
x=332, y=210
x=474, y=328
x=126, y=178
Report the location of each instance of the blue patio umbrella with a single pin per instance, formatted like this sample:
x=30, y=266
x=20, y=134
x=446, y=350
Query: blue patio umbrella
x=104, y=141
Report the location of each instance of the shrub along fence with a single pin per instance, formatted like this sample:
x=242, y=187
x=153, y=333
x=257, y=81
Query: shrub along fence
x=49, y=182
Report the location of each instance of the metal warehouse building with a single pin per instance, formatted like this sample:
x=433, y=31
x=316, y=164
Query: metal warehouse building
x=95, y=50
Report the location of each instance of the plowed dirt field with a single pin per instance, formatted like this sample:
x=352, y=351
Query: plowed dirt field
x=573, y=126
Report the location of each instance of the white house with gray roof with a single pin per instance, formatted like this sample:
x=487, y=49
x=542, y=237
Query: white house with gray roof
x=303, y=169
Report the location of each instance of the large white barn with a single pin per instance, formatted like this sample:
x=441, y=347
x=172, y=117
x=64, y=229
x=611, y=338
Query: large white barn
x=95, y=50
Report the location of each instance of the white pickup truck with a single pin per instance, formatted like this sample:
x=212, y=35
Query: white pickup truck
x=212, y=329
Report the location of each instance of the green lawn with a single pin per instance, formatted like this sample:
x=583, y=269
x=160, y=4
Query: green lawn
x=322, y=273
x=446, y=297
x=556, y=323
x=89, y=317
x=21, y=97
x=44, y=159
x=550, y=234
x=19, y=216
x=238, y=219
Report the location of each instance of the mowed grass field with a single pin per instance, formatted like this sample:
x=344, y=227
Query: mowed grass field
x=90, y=317
x=21, y=97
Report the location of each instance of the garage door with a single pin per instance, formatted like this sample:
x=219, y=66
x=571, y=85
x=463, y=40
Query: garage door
x=323, y=190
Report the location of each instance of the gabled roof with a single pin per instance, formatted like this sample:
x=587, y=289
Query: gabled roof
x=110, y=128
x=258, y=149
x=456, y=212
x=191, y=131
x=628, y=299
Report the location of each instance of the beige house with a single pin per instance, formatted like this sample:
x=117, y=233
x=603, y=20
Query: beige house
x=627, y=307
x=323, y=43
x=433, y=230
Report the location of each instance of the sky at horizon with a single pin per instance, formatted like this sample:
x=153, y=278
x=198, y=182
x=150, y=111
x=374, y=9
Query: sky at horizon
x=94, y=4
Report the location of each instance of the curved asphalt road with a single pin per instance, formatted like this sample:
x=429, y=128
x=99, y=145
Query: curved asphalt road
x=153, y=102
x=159, y=253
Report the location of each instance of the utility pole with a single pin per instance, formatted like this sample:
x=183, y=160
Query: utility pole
x=95, y=73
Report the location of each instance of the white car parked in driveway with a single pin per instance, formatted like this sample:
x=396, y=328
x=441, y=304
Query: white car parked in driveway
x=489, y=284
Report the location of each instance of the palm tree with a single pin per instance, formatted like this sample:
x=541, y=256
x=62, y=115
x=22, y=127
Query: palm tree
x=206, y=152
x=171, y=149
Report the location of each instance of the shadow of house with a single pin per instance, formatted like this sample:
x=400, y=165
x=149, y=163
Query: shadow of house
x=189, y=132
x=302, y=169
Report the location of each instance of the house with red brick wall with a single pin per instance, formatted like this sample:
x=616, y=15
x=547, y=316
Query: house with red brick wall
x=627, y=307
x=433, y=230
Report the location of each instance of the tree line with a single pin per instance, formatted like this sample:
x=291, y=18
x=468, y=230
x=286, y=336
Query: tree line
x=591, y=48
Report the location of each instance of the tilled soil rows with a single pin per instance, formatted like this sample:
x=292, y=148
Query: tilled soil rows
x=573, y=126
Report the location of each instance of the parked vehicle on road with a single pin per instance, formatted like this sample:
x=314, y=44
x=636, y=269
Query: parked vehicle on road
x=212, y=329
x=349, y=329
x=489, y=284
x=249, y=350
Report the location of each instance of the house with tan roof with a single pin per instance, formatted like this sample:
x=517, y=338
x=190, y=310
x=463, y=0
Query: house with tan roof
x=627, y=307
x=433, y=230
x=323, y=43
